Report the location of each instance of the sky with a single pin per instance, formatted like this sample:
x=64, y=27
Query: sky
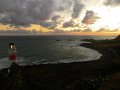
x=60, y=16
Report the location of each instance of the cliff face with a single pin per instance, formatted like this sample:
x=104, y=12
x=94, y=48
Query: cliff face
x=106, y=43
x=117, y=38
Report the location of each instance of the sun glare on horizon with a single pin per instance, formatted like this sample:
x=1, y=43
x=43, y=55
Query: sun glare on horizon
x=109, y=18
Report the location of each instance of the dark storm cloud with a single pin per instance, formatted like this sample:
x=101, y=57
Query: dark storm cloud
x=76, y=30
x=51, y=25
x=103, y=30
x=90, y=18
x=69, y=24
x=77, y=8
x=58, y=31
x=55, y=18
x=62, y=5
x=87, y=30
x=25, y=12
x=112, y=2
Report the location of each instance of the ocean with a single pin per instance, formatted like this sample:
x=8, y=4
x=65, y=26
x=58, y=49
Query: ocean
x=48, y=49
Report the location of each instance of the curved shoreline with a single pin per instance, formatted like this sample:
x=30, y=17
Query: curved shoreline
x=90, y=75
x=87, y=53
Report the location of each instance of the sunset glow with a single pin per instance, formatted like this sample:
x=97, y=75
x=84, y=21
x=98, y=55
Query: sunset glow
x=58, y=16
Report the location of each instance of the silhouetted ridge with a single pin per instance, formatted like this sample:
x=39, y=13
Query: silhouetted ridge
x=117, y=38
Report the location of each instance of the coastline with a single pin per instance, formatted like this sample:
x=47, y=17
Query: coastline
x=64, y=76
x=87, y=54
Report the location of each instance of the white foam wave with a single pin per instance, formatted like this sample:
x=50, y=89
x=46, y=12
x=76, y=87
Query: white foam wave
x=88, y=54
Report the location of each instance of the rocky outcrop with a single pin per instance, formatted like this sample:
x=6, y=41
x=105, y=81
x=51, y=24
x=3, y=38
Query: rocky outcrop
x=117, y=38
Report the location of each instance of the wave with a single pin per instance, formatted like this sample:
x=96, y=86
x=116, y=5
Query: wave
x=85, y=53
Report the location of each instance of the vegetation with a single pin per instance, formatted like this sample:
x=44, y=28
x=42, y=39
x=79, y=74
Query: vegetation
x=102, y=74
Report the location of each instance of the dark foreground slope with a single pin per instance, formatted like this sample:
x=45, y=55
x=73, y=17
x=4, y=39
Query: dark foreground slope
x=102, y=74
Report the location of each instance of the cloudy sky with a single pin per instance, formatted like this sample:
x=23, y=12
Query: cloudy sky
x=60, y=15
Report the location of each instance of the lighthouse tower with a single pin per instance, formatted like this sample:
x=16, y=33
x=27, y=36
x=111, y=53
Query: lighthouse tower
x=12, y=52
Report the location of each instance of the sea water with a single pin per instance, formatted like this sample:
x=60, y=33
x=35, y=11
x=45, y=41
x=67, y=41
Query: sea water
x=48, y=49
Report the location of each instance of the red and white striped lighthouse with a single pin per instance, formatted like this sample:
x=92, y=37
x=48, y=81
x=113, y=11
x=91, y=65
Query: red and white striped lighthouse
x=12, y=52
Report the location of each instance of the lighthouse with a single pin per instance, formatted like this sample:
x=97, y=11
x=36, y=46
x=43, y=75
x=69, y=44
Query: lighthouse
x=12, y=52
